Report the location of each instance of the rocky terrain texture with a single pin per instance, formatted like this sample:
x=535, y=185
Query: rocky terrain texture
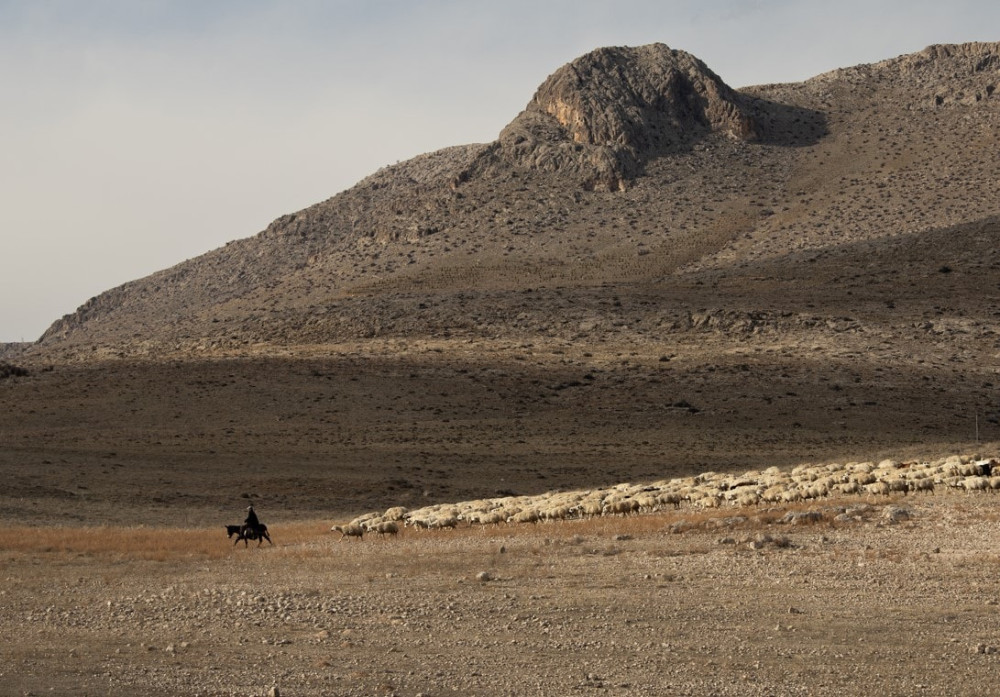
x=848, y=597
x=648, y=276
x=730, y=198
x=602, y=116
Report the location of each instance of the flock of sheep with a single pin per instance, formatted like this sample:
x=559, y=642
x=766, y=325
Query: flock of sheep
x=706, y=490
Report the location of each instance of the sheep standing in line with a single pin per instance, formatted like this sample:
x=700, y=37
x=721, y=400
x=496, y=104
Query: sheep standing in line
x=711, y=490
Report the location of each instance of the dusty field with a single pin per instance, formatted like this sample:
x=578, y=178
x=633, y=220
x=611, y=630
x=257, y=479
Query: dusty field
x=894, y=597
x=118, y=476
x=190, y=442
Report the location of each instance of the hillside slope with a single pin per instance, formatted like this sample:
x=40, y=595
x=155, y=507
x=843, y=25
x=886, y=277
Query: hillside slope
x=713, y=280
x=632, y=172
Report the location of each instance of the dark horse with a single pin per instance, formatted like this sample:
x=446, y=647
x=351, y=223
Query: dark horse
x=247, y=532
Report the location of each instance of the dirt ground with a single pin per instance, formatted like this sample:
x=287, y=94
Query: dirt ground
x=890, y=597
x=191, y=442
x=120, y=474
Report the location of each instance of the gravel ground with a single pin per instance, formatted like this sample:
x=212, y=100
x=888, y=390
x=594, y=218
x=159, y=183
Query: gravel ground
x=877, y=598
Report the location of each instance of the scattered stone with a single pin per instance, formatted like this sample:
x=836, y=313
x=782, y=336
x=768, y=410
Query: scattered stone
x=764, y=540
x=802, y=517
x=679, y=527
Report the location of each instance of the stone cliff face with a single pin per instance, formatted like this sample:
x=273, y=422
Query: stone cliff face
x=645, y=98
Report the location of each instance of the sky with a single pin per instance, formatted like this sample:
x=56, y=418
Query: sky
x=136, y=134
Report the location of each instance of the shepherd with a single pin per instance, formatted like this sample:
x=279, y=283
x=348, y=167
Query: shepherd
x=251, y=523
x=251, y=526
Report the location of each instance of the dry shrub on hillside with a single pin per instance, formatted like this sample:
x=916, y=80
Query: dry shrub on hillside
x=9, y=370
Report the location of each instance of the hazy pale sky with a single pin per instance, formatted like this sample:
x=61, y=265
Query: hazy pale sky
x=135, y=134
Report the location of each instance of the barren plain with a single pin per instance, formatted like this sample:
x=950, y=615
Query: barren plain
x=701, y=279
x=885, y=598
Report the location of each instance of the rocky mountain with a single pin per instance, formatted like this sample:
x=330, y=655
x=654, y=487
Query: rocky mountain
x=647, y=275
x=636, y=196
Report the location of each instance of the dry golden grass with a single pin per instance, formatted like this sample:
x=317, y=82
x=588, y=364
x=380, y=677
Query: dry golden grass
x=312, y=538
x=154, y=544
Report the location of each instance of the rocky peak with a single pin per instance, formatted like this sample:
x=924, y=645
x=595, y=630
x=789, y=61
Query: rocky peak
x=643, y=98
x=601, y=115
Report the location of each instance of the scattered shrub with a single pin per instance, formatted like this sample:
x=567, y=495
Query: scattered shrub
x=8, y=370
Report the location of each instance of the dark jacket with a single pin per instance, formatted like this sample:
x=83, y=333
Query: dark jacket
x=251, y=521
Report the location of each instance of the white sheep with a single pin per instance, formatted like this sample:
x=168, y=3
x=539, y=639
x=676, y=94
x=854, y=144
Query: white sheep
x=898, y=484
x=450, y=521
x=527, y=516
x=878, y=488
x=492, y=518
x=976, y=483
x=707, y=490
x=364, y=518
x=386, y=527
x=349, y=530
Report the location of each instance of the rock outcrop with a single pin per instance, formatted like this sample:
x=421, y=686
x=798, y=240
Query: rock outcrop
x=599, y=117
